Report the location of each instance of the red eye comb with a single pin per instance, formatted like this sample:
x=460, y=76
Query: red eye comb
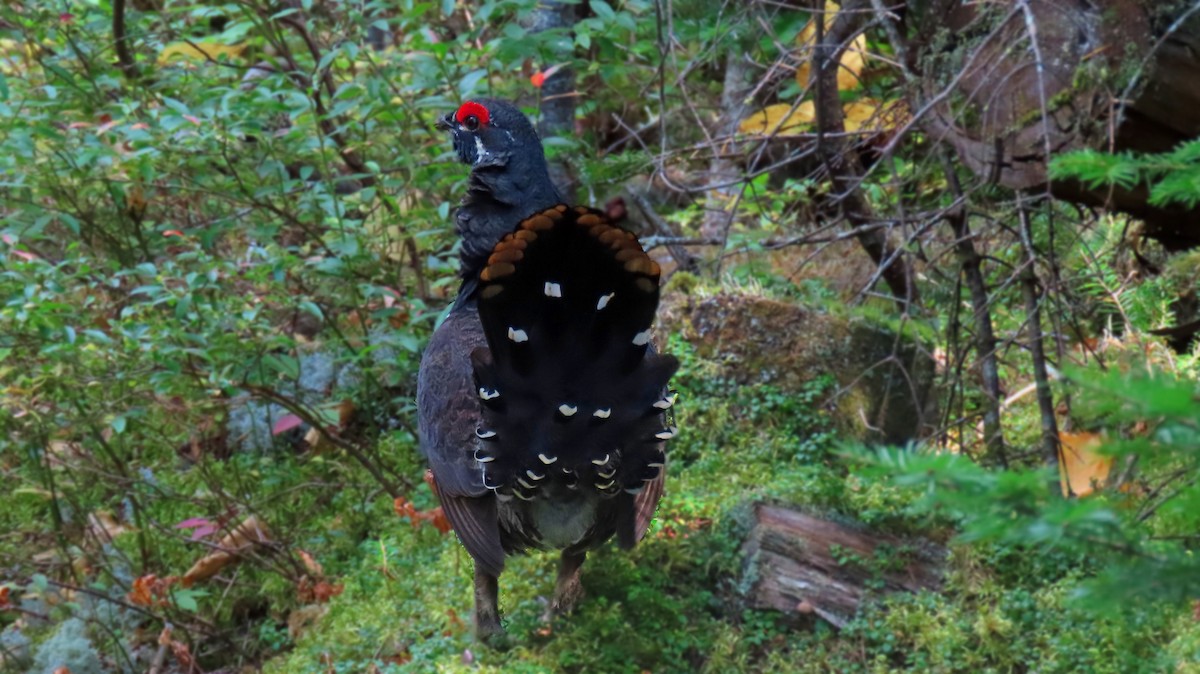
x=472, y=108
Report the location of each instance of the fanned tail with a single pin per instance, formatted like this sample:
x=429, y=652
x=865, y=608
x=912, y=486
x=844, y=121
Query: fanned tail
x=572, y=391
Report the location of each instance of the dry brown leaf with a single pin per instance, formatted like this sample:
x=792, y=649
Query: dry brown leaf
x=183, y=654
x=301, y=619
x=315, y=440
x=311, y=564
x=207, y=567
x=1081, y=467
x=345, y=413
x=245, y=535
x=104, y=527
x=435, y=516
x=853, y=59
x=323, y=591
x=780, y=119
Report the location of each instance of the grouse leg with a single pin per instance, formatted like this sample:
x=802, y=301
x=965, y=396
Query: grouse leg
x=487, y=609
x=568, y=590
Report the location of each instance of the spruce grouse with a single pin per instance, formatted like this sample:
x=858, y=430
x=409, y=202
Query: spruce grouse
x=542, y=403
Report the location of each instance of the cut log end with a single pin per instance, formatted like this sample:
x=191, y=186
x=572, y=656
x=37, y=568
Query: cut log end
x=804, y=566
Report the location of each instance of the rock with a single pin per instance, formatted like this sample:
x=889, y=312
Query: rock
x=883, y=378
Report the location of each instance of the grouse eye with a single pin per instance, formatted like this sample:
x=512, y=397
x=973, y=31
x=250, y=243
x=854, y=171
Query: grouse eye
x=472, y=115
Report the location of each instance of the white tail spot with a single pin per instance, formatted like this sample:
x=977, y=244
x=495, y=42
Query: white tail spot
x=488, y=395
x=642, y=338
x=518, y=336
x=553, y=290
x=534, y=476
x=567, y=410
x=666, y=433
x=547, y=459
x=604, y=301
x=606, y=485
x=602, y=414
x=484, y=435
x=665, y=403
x=601, y=462
x=523, y=483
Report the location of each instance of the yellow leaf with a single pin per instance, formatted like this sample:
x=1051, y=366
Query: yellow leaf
x=199, y=50
x=868, y=114
x=1081, y=468
x=853, y=59
x=780, y=119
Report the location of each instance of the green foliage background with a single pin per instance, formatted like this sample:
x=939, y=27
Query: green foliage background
x=197, y=238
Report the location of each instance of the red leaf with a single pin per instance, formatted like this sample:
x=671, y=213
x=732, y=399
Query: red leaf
x=192, y=523
x=286, y=424
x=201, y=532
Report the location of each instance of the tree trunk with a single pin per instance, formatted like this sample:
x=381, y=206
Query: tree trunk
x=557, y=107
x=1019, y=82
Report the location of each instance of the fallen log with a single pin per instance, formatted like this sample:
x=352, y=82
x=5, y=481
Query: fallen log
x=805, y=565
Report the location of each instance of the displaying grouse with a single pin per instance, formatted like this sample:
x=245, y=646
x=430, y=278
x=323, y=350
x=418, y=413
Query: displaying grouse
x=542, y=403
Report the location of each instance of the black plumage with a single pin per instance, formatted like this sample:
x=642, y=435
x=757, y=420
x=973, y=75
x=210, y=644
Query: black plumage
x=541, y=400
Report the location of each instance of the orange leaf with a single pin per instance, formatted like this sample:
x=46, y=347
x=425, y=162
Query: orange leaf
x=140, y=594
x=439, y=520
x=405, y=508
x=150, y=590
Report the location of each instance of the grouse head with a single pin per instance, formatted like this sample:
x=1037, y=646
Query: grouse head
x=509, y=178
x=491, y=132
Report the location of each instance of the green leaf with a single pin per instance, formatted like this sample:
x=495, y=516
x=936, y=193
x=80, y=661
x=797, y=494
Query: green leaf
x=603, y=9
x=185, y=599
x=467, y=85
x=311, y=308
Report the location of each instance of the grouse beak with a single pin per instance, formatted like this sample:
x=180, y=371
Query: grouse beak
x=445, y=123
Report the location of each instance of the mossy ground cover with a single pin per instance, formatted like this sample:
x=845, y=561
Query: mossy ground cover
x=672, y=604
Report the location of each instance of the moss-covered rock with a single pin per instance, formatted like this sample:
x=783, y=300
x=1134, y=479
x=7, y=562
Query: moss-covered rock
x=883, y=373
